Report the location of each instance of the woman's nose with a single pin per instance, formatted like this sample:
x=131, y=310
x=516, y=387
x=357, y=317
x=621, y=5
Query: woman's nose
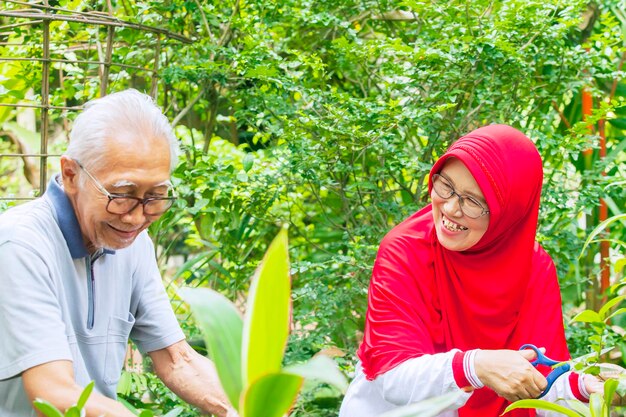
x=452, y=207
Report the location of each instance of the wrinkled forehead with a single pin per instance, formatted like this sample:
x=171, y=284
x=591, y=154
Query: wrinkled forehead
x=122, y=183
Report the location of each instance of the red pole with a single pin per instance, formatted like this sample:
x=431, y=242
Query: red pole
x=605, y=267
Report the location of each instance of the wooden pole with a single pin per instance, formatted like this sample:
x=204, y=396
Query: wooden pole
x=45, y=103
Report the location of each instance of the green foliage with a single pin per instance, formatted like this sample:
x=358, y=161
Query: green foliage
x=146, y=393
x=327, y=116
x=77, y=410
x=262, y=388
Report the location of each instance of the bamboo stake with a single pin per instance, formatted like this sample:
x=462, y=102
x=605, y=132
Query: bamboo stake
x=97, y=21
x=77, y=61
x=107, y=62
x=157, y=58
x=45, y=90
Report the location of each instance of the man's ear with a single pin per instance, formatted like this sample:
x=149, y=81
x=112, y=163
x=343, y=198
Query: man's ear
x=69, y=172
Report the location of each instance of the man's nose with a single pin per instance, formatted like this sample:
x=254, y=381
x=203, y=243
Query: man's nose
x=135, y=216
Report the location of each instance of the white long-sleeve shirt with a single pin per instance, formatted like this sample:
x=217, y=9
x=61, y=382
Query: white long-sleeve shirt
x=421, y=378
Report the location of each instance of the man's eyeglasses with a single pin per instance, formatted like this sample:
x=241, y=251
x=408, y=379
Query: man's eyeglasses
x=123, y=204
x=469, y=205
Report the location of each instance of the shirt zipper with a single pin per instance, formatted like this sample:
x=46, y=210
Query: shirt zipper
x=91, y=288
x=90, y=294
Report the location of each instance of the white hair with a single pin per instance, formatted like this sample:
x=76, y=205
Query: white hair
x=122, y=114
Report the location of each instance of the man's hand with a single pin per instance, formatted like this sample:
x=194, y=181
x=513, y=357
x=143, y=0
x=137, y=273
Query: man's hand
x=192, y=377
x=509, y=373
x=54, y=382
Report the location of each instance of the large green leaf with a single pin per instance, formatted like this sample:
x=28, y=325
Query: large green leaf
x=266, y=323
x=426, y=408
x=542, y=405
x=221, y=326
x=323, y=369
x=271, y=395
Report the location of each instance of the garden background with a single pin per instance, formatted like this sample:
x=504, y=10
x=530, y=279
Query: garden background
x=327, y=116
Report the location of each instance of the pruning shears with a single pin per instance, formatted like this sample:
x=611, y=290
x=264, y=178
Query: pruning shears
x=558, y=367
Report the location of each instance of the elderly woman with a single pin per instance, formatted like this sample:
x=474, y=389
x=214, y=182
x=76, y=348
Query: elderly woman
x=460, y=285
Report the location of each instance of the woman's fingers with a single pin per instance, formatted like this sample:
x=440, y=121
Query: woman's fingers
x=509, y=373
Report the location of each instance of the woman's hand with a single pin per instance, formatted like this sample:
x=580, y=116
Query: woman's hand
x=509, y=373
x=596, y=383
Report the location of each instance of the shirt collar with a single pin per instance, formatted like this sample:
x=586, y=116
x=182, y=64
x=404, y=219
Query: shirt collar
x=68, y=223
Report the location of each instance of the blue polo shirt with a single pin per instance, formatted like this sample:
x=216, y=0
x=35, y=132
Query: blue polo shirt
x=58, y=302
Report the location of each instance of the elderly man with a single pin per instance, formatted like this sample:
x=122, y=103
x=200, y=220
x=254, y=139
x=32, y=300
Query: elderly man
x=79, y=276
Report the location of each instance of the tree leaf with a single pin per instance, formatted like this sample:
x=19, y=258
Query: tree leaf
x=608, y=305
x=125, y=383
x=599, y=228
x=426, y=408
x=221, y=326
x=616, y=313
x=542, y=405
x=323, y=369
x=266, y=323
x=588, y=316
x=271, y=395
x=175, y=412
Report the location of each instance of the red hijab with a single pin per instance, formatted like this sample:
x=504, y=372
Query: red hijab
x=499, y=294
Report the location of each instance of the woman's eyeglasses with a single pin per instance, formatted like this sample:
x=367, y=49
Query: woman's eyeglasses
x=469, y=205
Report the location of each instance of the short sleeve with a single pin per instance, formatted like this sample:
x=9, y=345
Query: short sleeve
x=155, y=326
x=31, y=323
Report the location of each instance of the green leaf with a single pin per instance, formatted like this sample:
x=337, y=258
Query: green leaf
x=426, y=408
x=608, y=305
x=146, y=413
x=616, y=313
x=542, y=405
x=221, y=326
x=271, y=395
x=125, y=383
x=84, y=396
x=248, y=162
x=619, y=265
x=72, y=412
x=579, y=407
x=175, y=412
x=588, y=316
x=46, y=408
x=599, y=228
x=323, y=369
x=127, y=405
x=610, y=385
x=596, y=404
x=266, y=323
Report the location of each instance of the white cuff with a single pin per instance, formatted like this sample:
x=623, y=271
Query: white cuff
x=581, y=386
x=470, y=370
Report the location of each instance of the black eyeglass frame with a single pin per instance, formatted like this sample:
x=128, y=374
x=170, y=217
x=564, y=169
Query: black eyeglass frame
x=461, y=197
x=112, y=197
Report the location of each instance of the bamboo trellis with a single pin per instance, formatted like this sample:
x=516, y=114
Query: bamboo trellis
x=38, y=13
